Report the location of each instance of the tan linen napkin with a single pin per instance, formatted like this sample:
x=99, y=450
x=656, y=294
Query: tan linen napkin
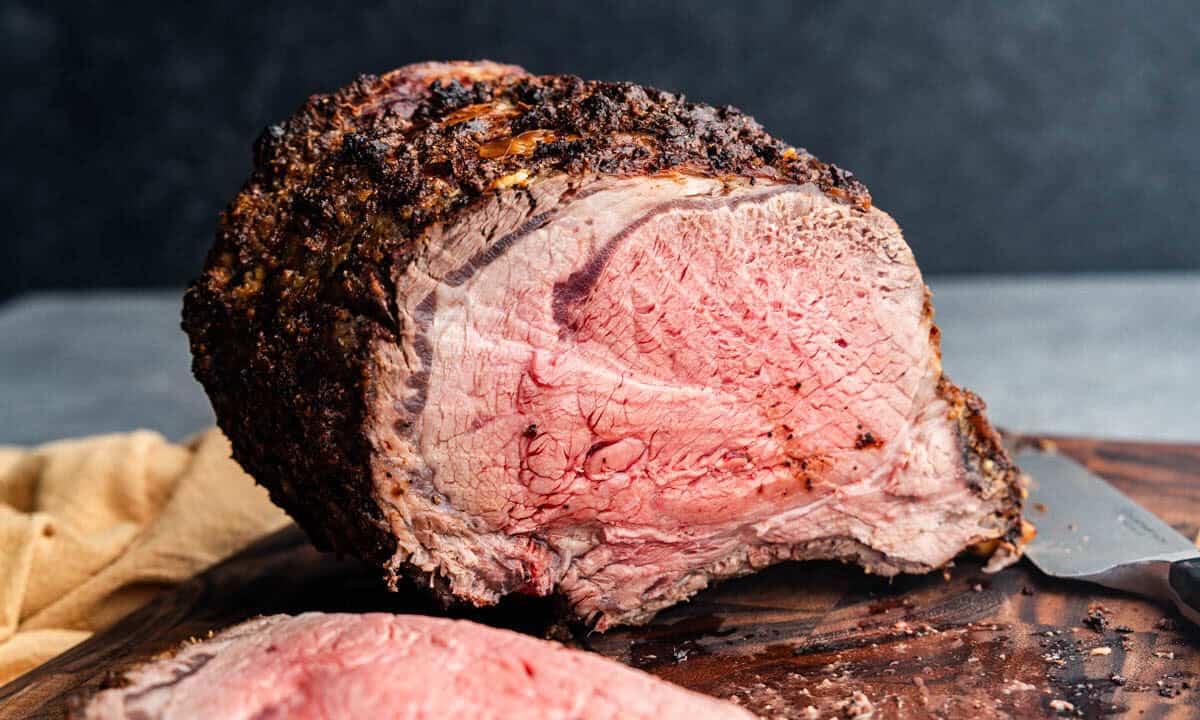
x=92, y=528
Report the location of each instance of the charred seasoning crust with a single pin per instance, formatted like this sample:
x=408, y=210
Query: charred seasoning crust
x=78, y=700
x=987, y=461
x=300, y=281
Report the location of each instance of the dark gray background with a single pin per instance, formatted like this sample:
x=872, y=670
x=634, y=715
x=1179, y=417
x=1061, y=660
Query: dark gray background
x=1005, y=137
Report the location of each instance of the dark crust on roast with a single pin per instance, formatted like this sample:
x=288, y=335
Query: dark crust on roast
x=985, y=458
x=78, y=701
x=300, y=281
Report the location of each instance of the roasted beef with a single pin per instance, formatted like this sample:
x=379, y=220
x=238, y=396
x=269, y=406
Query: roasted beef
x=518, y=334
x=389, y=666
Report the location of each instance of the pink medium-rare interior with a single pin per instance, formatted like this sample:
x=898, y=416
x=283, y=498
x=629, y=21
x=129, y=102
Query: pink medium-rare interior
x=669, y=378
x=316, y=666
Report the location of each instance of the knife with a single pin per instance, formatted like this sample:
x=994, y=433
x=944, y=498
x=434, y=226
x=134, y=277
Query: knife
x=1088, y=530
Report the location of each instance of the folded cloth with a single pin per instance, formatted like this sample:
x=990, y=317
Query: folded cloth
x=92, y=528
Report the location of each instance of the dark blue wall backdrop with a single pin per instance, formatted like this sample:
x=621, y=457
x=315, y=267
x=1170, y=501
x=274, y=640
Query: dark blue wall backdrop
x=1010, y=136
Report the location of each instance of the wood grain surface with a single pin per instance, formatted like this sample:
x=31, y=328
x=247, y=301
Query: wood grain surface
x=799, y=635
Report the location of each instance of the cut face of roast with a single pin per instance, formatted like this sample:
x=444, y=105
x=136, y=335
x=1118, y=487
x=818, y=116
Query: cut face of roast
x=390, y=666
x=620, y=389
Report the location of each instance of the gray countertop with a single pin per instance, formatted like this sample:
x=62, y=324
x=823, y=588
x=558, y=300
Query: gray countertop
x=1111, y=356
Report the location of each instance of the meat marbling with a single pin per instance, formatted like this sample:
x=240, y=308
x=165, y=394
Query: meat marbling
x=389, y=666
x=517, y=334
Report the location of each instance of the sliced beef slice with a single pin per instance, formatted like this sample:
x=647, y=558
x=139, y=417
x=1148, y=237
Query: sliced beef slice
x=389, y=666
x=538, y=335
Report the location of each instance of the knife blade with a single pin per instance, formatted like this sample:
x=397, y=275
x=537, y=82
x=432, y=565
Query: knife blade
x=1088, y=530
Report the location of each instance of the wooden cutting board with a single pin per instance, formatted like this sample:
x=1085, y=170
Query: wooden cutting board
x=797, y=635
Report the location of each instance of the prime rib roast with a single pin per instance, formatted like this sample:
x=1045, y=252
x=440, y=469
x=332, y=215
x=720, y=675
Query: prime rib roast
x=506, y=333
x=390, y=666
